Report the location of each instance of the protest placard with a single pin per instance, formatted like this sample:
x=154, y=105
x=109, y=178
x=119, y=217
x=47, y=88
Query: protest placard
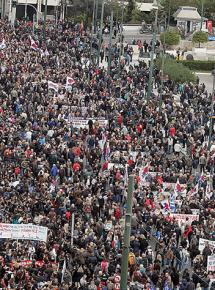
x=83, y=123
x=185, y=218
x=211, y=263
x=23, y=232
x=204, y=242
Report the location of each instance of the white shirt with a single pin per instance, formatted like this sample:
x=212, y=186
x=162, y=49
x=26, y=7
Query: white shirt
x=177, y=147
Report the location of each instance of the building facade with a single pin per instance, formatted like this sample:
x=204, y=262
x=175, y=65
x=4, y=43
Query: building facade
x=188, y=19
x=27, y=8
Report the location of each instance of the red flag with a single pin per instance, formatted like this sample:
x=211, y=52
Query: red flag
x=146, y=169
x=34, y=46
x=69, y=82
x=178, y=186
x=159, y=180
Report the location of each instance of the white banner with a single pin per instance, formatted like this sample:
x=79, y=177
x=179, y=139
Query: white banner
x=53, y=86
x=211, y=263
x=203, y=242
x=23, y=232
x=83, y=123
x=75, y=108
x=195, y=211
x=116, y=165
x=185, y=218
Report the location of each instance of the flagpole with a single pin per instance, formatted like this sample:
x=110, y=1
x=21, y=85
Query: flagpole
x=63, y=270
x=72, y=229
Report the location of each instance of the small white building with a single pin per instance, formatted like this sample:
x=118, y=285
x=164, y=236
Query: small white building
x=188, y=19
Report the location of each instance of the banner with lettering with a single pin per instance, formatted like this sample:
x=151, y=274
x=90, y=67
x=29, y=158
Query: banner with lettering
x=211, y=263
x=204, y=242
x=185, y=218
x=23, y=232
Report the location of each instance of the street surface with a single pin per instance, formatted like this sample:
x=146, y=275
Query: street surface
x=207, y=79
x=131, y=33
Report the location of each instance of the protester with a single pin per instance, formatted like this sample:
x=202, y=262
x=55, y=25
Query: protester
x=70, y=135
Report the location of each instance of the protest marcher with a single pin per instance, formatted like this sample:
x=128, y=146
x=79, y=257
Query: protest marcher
x=71, y=134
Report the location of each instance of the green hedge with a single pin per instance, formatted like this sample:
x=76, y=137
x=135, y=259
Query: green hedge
x=177, y=72
x=199, y=64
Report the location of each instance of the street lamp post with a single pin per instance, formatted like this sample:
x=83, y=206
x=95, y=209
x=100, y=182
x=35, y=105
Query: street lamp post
x=212, y=111
x=202, y=14
x=127, y=234
x=12, y=11
x=96, y=16
x=100, y=32
x=152, y=56
x=44, y=20
x=92, y=29
x=121, y=36
x=169, y=13
x=162, y=67
x=110, y=42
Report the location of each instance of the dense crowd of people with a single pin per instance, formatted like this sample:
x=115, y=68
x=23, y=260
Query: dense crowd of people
x=67, y=151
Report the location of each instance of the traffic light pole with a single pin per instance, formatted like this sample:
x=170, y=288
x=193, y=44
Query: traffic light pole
x=127, y=234
x=100, y=32
x=110, y=43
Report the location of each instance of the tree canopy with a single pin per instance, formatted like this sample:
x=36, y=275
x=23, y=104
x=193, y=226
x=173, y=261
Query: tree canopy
x=170, y=37
x=200, y=37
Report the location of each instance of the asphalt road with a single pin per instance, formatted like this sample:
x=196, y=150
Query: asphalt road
x=129, y=37
x=207, y=79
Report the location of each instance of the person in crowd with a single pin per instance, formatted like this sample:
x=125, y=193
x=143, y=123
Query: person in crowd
x=71, y=134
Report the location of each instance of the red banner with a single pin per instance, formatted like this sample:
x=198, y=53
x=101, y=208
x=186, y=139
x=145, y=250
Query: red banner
x=210, y=26
x=28, y=263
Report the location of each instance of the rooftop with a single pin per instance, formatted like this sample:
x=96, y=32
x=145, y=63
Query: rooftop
x=187, y=13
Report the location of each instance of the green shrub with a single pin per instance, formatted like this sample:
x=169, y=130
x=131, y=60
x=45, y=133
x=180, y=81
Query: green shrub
x=200, y=37
x=170, y=37
x=199, y=65
x=176, y=71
